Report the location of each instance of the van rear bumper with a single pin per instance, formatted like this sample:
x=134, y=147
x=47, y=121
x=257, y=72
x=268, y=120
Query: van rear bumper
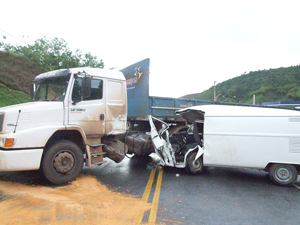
x=20, y=160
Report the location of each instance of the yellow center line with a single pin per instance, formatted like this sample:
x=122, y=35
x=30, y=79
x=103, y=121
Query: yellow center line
x=153, y=212
x=149, y=185
x=146, y=194
x=296, y=186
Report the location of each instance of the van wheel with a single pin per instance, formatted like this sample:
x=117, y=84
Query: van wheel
x=62, y=162
x=283, y=174
x=192, y=166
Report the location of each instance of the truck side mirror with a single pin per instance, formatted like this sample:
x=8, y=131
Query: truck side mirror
x=86, y=87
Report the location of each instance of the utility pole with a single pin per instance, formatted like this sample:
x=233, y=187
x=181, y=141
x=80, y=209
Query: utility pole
x=215, y=90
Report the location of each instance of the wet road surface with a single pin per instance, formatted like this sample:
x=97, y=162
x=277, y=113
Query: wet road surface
x=217, y=196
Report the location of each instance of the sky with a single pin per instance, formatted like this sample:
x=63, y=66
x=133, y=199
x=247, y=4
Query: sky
x=190, y=43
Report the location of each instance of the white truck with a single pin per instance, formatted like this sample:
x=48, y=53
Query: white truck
x=233, y=136
x=74, y=119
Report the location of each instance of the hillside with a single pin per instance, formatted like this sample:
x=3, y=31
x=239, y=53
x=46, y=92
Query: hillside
x=16, y=75
x=282, y=84
x=11, y=97
x=17, y=72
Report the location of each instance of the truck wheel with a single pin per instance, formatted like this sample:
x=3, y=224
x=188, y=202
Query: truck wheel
x=192, y=166
x=62, y=162
x=283, y=174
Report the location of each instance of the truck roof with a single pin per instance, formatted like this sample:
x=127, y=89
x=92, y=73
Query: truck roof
x=112, y=74
x=238, y=111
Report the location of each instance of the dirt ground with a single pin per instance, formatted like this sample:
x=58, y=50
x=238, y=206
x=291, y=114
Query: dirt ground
x=84, y=201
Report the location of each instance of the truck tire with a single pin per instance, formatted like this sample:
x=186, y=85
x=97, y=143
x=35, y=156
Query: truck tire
x=192, y=166
x=283, y=174
x=62, y=162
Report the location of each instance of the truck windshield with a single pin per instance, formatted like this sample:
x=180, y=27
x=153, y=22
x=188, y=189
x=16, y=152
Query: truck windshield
x=51, y=89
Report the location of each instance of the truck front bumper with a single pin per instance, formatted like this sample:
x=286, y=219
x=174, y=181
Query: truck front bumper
x=20, y=160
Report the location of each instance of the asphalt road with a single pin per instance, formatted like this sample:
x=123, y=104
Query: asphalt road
x=217, y=196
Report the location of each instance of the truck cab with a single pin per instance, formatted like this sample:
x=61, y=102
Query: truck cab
x=74, y=116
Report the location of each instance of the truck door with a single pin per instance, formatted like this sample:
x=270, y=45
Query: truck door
x=116, y=110
x=88, y=113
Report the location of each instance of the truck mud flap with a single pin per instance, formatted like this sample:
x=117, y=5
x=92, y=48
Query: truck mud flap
x=115, y=149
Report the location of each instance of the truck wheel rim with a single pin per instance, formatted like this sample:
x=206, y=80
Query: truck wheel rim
x=63, y=162
x=283, y=174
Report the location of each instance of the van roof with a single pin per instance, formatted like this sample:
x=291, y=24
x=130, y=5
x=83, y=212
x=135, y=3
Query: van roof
x=238, y=111
x=112, y=74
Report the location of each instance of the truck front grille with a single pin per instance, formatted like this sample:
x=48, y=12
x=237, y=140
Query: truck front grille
x=1, y=121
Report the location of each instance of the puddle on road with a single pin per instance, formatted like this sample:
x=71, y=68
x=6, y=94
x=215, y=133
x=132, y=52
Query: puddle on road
x=84, y=201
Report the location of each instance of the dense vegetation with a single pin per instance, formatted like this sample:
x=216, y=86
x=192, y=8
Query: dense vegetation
x=52, y=54
x=282, y=84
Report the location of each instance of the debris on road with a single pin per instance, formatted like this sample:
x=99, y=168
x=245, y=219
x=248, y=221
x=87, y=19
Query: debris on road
x=84, y=201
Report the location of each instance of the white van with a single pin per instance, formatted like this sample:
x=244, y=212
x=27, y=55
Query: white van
x=233, y=136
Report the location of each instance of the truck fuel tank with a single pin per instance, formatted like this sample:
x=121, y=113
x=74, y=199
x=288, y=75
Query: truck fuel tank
x=139, y=143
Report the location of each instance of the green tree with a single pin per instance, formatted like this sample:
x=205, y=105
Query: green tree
x=52, y=54
x=90, y=60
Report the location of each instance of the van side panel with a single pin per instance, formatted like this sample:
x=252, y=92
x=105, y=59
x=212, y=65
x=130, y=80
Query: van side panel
x=247, y=141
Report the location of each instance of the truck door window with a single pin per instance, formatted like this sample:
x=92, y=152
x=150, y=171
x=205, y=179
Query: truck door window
x=96, y=92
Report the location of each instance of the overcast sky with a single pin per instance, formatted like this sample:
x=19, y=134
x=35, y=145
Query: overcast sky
x=190, y=44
